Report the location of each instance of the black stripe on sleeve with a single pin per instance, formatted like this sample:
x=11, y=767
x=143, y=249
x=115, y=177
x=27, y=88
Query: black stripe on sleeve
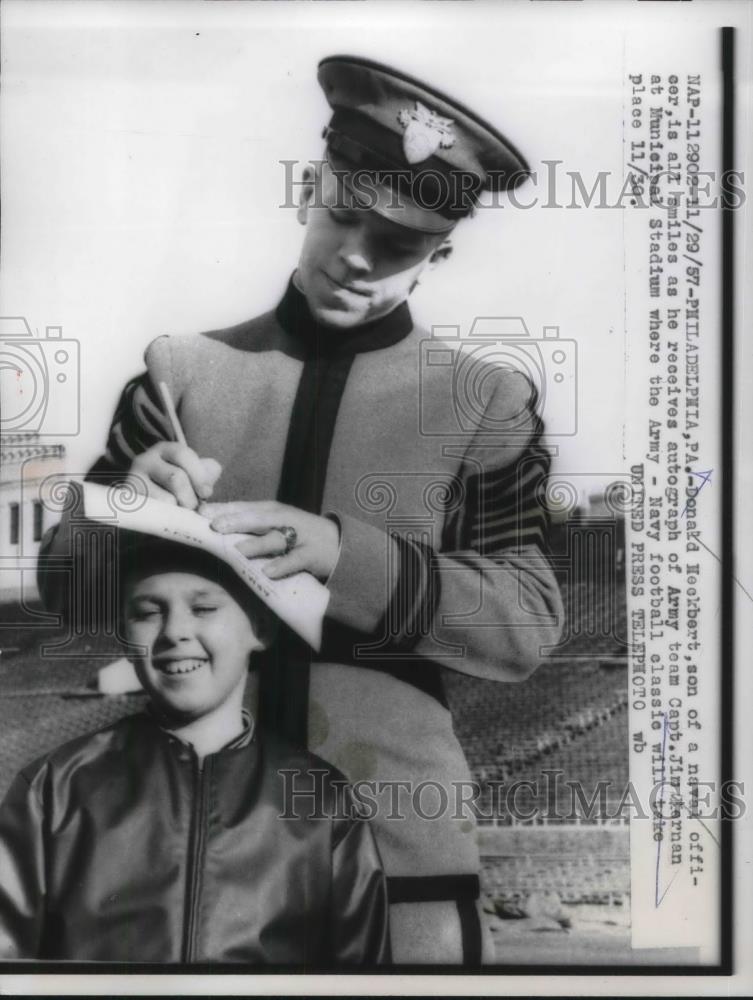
x=139, y=423
x=432, y=888
x=416, y=595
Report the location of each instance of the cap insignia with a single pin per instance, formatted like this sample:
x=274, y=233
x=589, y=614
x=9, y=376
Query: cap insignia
x=425, y=132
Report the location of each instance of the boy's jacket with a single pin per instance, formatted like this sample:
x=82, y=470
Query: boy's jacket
x=117, y=847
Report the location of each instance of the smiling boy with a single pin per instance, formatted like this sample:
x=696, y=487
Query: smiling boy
x=197, y=641
x=161, y=837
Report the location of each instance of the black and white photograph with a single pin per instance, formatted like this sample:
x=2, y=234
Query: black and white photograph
x=375, y=443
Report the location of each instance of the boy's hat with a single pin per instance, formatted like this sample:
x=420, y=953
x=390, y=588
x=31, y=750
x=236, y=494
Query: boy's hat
x=150, y=534
x=430, y=155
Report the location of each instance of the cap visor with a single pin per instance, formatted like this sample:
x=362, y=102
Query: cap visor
x=365, y=192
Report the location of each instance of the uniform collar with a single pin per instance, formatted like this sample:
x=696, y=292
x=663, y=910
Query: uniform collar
x=294, y=316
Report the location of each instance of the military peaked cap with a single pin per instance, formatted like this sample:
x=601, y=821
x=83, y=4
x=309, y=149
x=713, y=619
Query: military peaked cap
x=411, y=152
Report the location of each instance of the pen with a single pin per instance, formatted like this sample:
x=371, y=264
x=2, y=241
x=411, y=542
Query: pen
x=172, y=414
x=177, y=430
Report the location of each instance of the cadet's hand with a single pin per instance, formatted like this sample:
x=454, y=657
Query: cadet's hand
x=317, y=545
x=175, y=474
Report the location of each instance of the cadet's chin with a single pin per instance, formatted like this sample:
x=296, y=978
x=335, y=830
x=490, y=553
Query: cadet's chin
x=339, y=317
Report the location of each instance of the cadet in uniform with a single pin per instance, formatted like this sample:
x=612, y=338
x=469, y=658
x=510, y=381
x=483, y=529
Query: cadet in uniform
x=325, y=431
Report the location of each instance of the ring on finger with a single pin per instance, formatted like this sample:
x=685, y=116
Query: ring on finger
x=291, y=537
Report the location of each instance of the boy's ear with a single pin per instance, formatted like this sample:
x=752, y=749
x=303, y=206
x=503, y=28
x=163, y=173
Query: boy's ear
x=265, y=626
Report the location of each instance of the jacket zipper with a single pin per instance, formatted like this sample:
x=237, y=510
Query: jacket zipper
x=196, y=842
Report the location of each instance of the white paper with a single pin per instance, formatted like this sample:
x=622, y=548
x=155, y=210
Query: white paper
x=299, y=600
